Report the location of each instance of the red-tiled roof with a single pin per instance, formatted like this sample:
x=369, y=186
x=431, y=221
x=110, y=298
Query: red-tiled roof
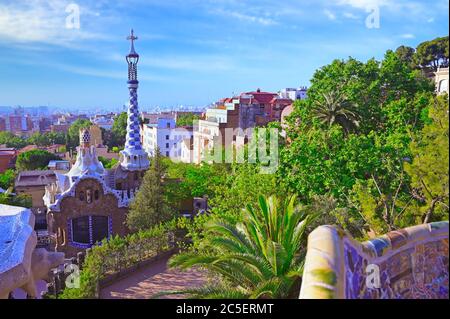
x=282, y=101
x=260, y=97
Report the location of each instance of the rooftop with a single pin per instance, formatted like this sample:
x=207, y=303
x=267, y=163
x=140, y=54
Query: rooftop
x=35, y=178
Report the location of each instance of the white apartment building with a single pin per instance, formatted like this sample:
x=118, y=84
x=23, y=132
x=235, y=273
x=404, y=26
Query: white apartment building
x=441, y=80
x=293, y=93
x=166, y=136
x=187, y=152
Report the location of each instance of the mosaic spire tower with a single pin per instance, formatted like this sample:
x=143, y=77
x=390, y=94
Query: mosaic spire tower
x=133, y=157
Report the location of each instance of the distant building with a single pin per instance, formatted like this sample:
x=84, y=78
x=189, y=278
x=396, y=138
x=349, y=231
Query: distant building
x=45, y=124
x=247, y=110
x=61, y=128
x=7, y=158
x=294, y=93
x=212, y=127
x=187, y=150
x=152, y=118
x=2, y=124
x=59, y=165
x=33, y=183
x=165, y=136
x=441, y=80
x=103, y=121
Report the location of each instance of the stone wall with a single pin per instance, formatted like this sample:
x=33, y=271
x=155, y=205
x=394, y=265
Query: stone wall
x=410, y=263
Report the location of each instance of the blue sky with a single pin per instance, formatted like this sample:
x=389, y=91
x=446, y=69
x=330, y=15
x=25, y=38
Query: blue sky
x=193, y=52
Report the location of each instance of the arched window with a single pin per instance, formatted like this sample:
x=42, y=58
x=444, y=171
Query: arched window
x=81, y=196
x=96, y=194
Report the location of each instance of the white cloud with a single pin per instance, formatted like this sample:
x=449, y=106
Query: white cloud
x=350, y=15
x=364, y=4
x=330, y=15
x=407, y=36
x=42, y=21
x=263, y=20
x=198, y=63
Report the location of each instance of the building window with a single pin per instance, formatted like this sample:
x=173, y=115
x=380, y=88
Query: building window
x=88, y=230
x=100, y=228
x=96, y=194
x=167, y=145
x=80, y=230
x=167, y=154
x=81, y=197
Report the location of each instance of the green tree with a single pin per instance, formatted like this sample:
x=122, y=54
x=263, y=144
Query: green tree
x=262, y=257
x=108, y=163
x=432, y=54
x=187, y=119
x=34, y=159
x=116, y=137
x=73, y=134
x=430, y=162
x=56, y=137
x=21, y=200
x=7, y=179
x=406, y=55
x=10, y=140
x=334, y=108
x=150, y=207
x=40, y=139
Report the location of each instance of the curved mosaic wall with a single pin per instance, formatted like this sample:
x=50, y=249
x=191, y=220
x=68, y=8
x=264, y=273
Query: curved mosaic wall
x=411, y=263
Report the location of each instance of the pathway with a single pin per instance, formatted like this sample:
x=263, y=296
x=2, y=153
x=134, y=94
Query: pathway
x=148, y=281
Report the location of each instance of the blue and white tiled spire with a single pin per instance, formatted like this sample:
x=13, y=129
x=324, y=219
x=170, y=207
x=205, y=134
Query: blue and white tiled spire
x=133, y=157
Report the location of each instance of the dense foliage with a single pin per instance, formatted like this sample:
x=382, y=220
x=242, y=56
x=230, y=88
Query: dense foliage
x=360, y=165
x=7, y=179
x=73, y=134
x=21, y=200
x=187, y=119
x=10, y=140
x=116, y=136
x=259, y=257
x=150, y=206
x=34, y=159
x=108, y=163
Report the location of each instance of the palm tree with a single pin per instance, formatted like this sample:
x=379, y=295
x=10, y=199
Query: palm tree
x=261, y=257
x=336, y=109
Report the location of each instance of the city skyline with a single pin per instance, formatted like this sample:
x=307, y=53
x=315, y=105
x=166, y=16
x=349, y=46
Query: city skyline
x=192, y=53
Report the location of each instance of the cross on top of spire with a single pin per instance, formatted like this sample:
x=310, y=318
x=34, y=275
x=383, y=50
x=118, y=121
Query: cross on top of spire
x=132, y=38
